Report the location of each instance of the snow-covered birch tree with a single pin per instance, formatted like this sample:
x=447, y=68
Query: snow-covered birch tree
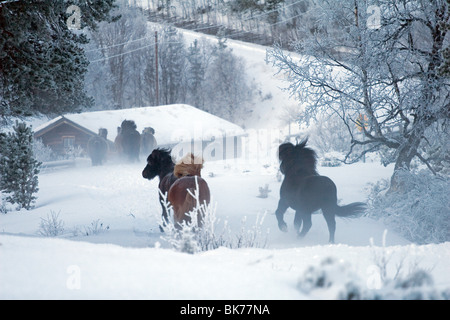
x=376, y=66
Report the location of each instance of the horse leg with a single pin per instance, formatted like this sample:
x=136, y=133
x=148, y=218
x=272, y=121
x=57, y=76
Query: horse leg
x=298, y=221
x=331, y=222
x=306, y=217
x=279, y=213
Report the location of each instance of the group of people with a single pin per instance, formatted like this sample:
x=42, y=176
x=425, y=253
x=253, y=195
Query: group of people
x=128, y=144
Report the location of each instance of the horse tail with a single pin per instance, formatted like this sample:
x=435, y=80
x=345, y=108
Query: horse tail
x=352, y=210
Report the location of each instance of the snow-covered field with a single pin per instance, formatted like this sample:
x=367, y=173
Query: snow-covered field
x=111, y=246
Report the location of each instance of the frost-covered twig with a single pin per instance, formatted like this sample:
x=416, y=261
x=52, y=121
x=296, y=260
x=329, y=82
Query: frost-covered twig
x=192, y=238
x=52, y=226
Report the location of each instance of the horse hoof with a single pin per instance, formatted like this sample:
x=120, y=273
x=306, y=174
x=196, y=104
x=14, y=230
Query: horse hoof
x=282, y=226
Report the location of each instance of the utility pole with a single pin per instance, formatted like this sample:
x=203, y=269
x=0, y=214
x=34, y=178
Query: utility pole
x=156, y=68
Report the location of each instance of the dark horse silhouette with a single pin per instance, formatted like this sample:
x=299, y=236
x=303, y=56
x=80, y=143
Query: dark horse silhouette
x=160, y=163
x=148, y=140
x=305, y=191
x=128, y=140
x=98, y=147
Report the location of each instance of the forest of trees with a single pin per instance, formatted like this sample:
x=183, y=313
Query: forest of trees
x=250, y=20
x=42, y=63
x=122, y=73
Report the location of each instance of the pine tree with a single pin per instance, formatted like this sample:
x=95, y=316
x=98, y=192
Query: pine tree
x=18, y=167
x=227, y=89
x=195, y=74
x=42, y=64
x=172, y=61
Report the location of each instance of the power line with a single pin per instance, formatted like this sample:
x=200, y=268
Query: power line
x=131, y=51
x=198, y=29
x=118, y=44
x=205, y=28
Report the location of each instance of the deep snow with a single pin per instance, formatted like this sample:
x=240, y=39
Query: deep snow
x=128, y=259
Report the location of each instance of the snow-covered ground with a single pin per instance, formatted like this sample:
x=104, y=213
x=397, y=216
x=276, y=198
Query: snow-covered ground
x=111, y=246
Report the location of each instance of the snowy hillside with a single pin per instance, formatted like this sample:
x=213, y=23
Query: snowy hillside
x=268, y=110
x=109, y=245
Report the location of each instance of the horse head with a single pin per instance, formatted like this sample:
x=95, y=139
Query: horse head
x=128, y=125
x=297, y=158
x=159, y=163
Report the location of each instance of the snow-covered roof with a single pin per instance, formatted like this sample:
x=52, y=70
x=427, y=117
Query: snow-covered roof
x=172, y=123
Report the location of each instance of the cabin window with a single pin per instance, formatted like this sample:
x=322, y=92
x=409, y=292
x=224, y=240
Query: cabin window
x=68, y=142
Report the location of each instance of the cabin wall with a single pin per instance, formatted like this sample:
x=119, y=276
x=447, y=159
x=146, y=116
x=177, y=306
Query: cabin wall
x=217, y=148
x=55, y=137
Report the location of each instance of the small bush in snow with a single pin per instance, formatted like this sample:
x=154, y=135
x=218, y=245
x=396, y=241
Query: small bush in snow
x=95, y=227
x=264, y=191
x=334, y=279
x=419, y=210
x=41, y=152
x=251, y=236
x=190, y=238
x=417, y=285
x=52, y=226
x=74, y=152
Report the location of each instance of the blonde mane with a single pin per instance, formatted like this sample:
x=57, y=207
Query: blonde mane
x=189, y=165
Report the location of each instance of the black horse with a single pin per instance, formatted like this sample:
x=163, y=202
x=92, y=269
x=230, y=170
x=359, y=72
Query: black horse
x=305, y=191
x=148, y=140
x=130, y=140
x=98, y=147
x=160, y=163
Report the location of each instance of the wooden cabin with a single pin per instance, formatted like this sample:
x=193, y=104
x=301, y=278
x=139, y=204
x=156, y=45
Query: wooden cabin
x=181, y=127
x=63, y=135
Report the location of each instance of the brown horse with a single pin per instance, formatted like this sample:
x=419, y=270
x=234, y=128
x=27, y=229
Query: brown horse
x=183, y=201
x=189, y=184
x=160, y=163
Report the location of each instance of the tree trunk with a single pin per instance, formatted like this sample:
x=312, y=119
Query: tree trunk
x=406, y=153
